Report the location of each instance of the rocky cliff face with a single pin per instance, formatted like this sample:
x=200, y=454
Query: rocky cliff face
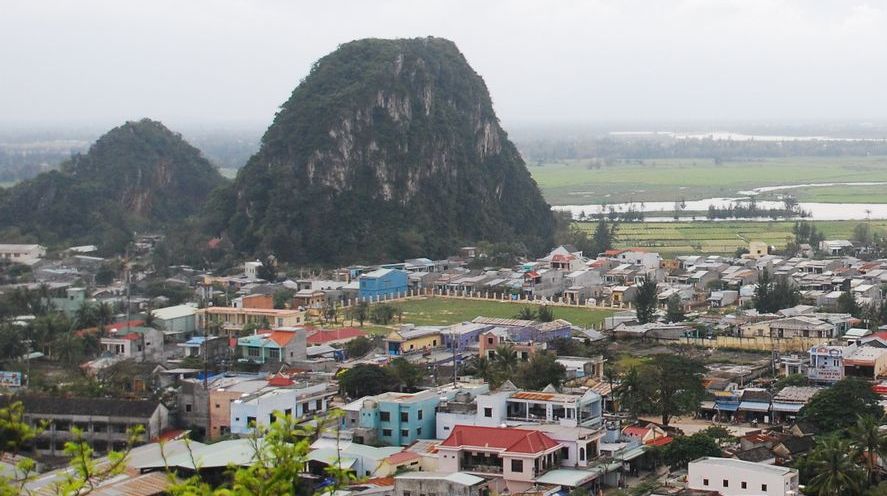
x=137, y=176
x=388, y=149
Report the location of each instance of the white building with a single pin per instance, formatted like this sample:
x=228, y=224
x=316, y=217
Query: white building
x=297, y=402
x=732, y=477
x=23, y=254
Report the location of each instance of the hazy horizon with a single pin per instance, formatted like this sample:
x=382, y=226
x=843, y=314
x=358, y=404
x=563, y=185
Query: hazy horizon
x=234, y=62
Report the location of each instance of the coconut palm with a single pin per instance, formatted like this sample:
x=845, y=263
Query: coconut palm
x=505, y=358
x=837, y=473
x=869, y=442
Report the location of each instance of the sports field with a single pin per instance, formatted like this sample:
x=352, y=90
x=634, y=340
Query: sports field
x=444, y=311
x=709, y=237
x=574, y=182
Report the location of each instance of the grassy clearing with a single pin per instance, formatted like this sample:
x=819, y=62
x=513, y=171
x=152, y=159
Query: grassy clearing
x=572, y=182
x=703, y=237
x=445, y=311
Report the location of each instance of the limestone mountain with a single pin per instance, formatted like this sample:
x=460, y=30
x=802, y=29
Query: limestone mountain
x=137, y=176
x=387, y=149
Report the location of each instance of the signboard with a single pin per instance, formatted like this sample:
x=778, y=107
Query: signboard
x=10, y=379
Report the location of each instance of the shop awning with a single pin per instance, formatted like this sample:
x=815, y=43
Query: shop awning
x=726, y=407
x=753, y=406
x=787, y=407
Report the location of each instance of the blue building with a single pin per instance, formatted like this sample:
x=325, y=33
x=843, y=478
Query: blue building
x=383, y=283
x=399, y=419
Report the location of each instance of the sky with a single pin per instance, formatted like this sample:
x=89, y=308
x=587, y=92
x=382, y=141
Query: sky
x=221, y=62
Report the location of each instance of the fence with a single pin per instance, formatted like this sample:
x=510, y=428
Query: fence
x=483, y=296
x=799, y=344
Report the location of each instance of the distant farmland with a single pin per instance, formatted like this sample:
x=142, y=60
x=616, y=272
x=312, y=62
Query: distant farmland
x=573, y=182
x=700, y=237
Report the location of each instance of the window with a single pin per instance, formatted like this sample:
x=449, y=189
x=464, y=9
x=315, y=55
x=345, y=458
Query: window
x=419, y=431
x=764, y=487
x=404, y=433
x=386, y=432
x=489, y=340
x=517, y=465
x=704, y=482
x=251, y=421
x=404, y=416
x=581, y=454
x=318, y=405
x=218, y=406
x=488, y=412
x=385, y=416
x=187, y=408
x=726, y=483
x=420, y=414
x=288, y=412
x=743, y=485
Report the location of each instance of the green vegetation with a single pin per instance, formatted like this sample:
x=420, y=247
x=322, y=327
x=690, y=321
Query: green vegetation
x=139, y=176
x=372, y=159
x=714, y=237
x=664, y=385
x=444, y=311
x=828, y=409
x=576, y=182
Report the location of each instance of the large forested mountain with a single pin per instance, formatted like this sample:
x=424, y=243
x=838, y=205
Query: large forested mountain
x=388, y=149
x=138, y=176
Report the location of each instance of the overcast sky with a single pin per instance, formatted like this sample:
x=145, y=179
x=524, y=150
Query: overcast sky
x=230, y=61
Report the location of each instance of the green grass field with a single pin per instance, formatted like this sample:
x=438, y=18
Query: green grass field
x=573, y=182
x=708, y=237
x=444, y=311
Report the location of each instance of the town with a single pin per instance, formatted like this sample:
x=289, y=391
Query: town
x=619, y=372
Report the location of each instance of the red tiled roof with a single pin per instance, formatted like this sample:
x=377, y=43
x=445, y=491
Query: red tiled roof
x=133, y=336
x=278, y=380
x=661, y=441
x=501, y=438
x=380, y=481
x=402, y=457
x=323, y=336
x=282, y=337
x=532, y=274
x=563, y=258
x=636, y=431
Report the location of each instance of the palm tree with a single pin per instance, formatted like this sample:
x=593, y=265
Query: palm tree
x=526, y=313
x=870, y=443
x=483, y=368
x=150, y=319
x=837, y=473
x=506, y=358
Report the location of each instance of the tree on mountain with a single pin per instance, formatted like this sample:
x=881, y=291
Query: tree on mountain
x=645, y=301
x=367, y=380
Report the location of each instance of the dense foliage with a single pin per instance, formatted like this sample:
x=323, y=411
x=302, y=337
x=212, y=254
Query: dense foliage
x=828, y=409
x=139, y=176
x=665, y=385
x=388, y=149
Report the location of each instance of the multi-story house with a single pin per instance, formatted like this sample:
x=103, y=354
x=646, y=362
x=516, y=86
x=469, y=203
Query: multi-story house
x=399, y=419
x=284, y=396
x=233, y=319
x=514, y=456
x=142, y=344
x=284, y=345
x=104, y=422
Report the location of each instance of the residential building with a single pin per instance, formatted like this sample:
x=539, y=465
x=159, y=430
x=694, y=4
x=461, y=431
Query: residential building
x=827, y=363
x=300, y=401
x=340, y=335
x=732, y=477
x=517, y=456
x=443, y=483
x=788, y=402
x=234, y=319
x=22, y=254
x=105, y=422
x=383, y=283
x=411, y=339
x=178, y=322
x=142, y=344
x=284, y=344
x=213, y=347
x=399, y=419
x=510, y=406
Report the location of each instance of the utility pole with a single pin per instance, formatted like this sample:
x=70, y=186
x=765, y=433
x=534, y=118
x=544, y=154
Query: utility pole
x=455, y=366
